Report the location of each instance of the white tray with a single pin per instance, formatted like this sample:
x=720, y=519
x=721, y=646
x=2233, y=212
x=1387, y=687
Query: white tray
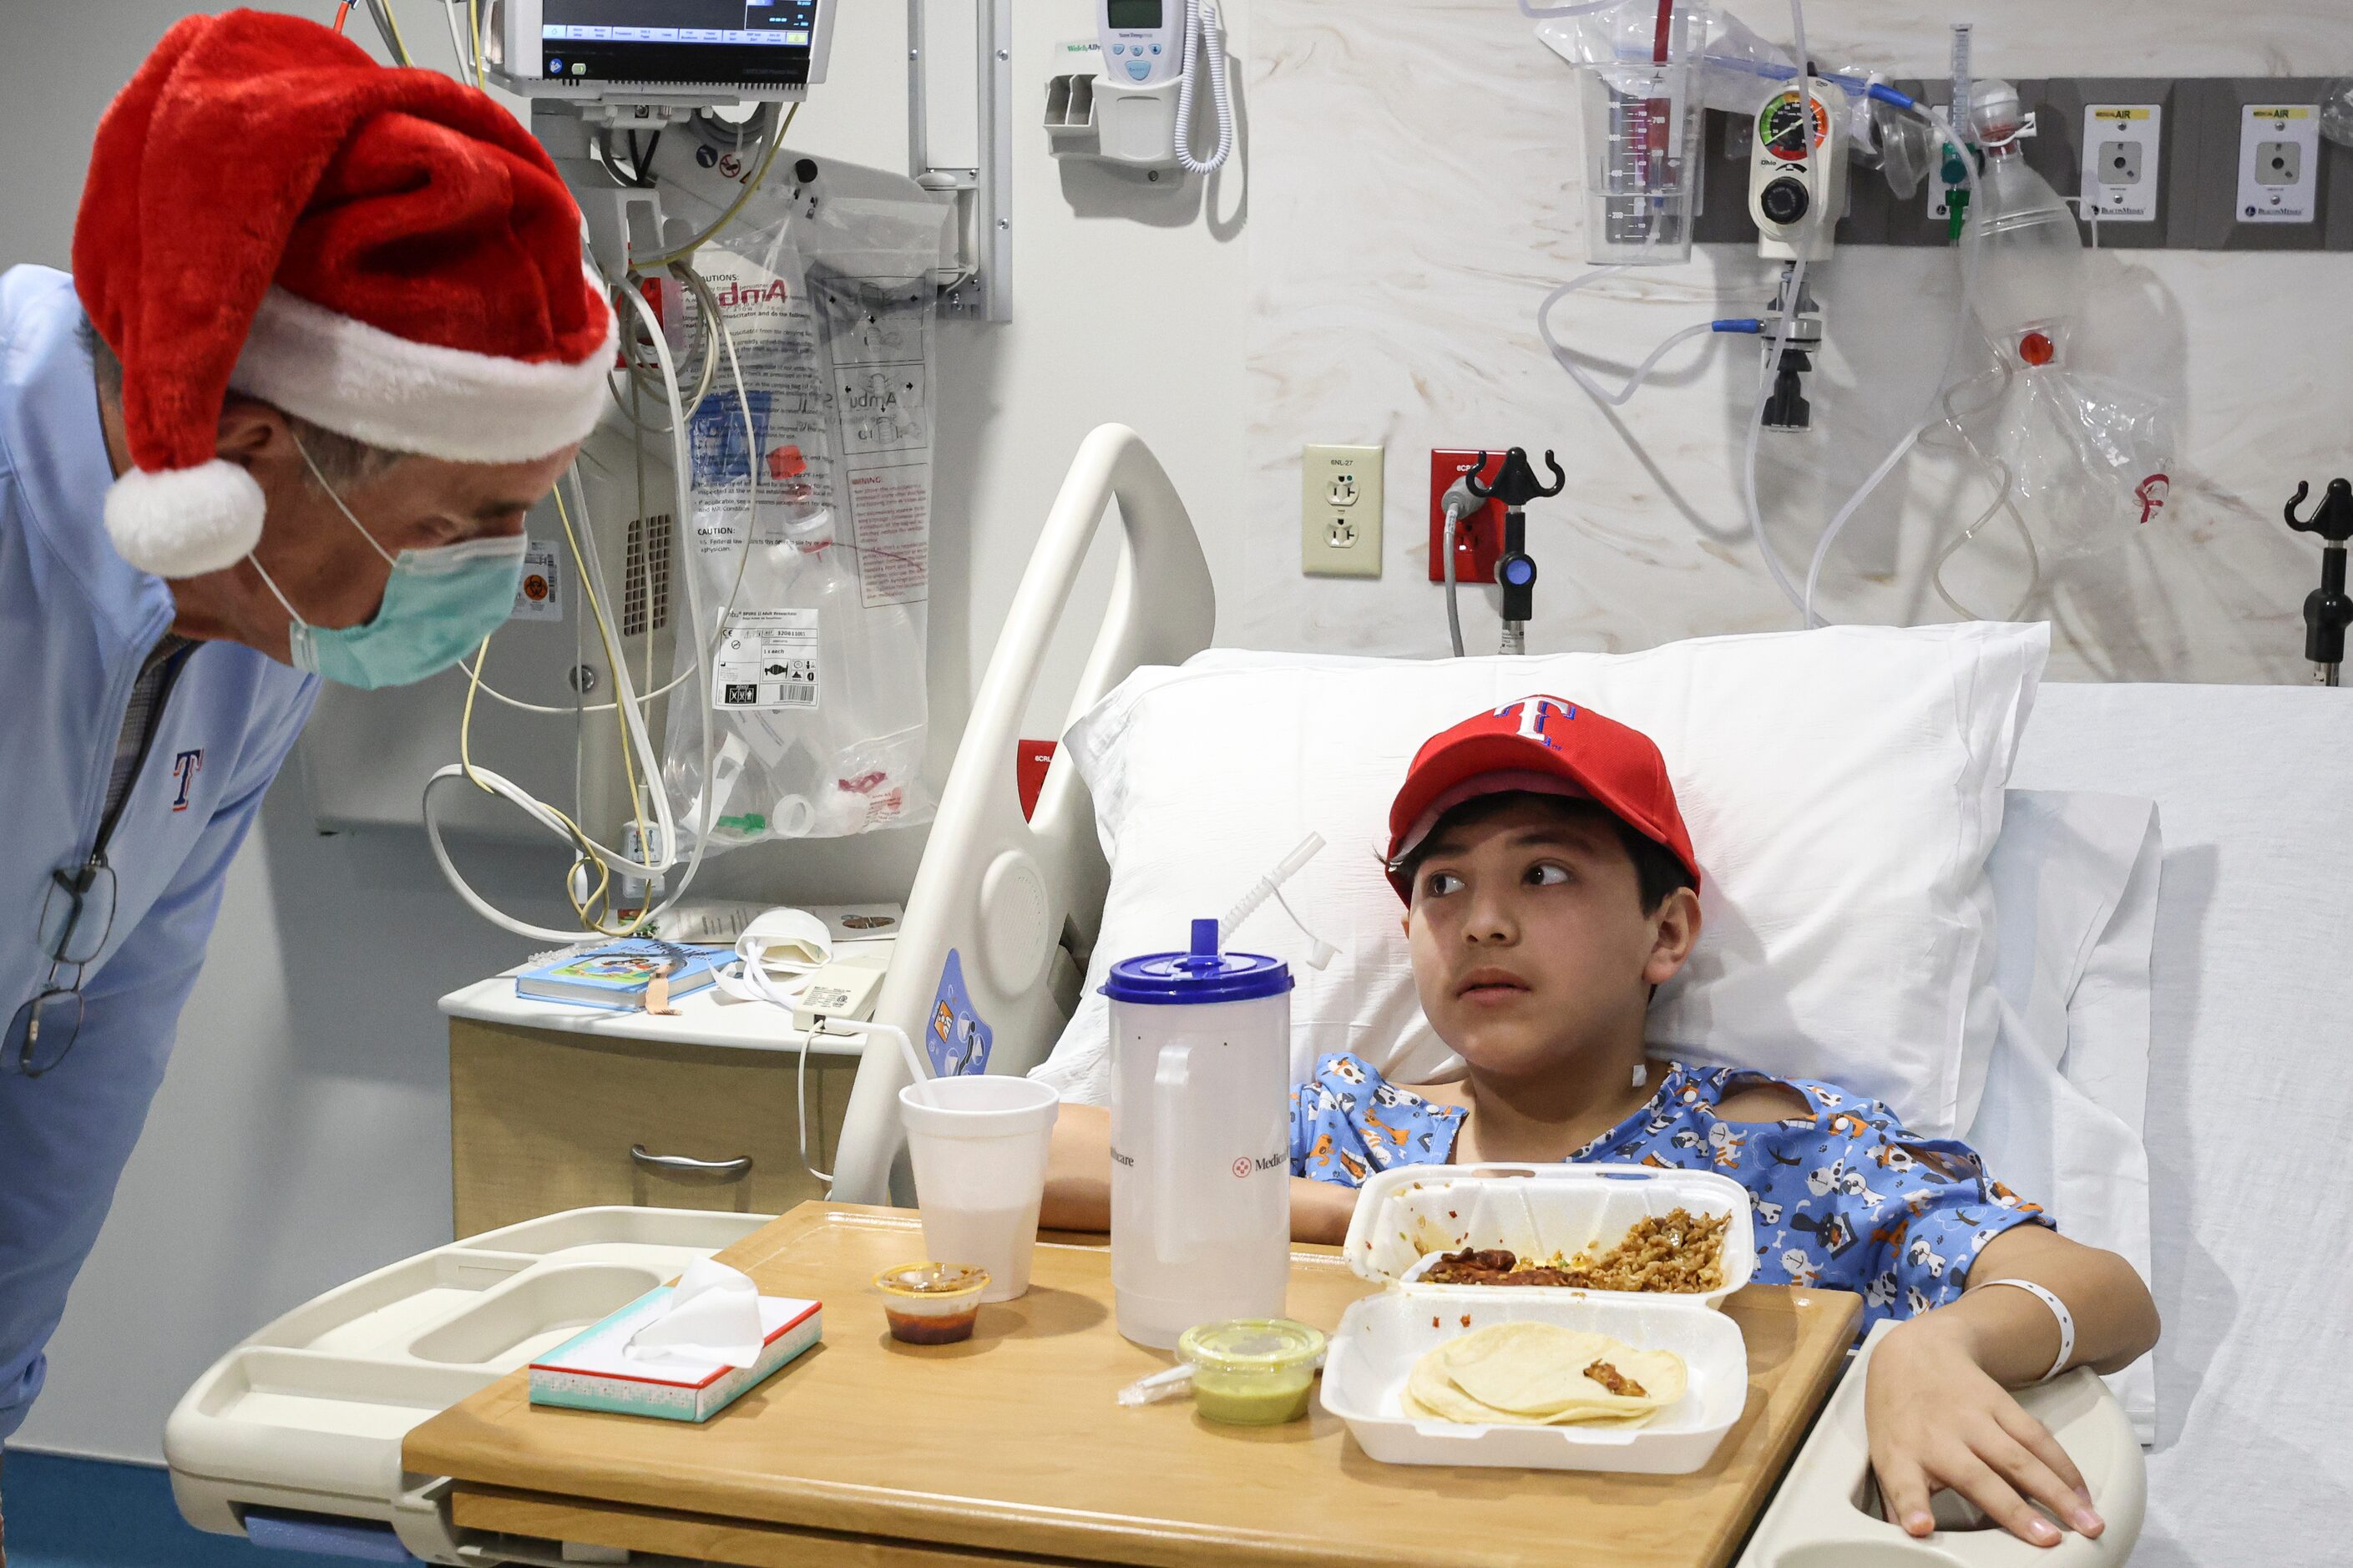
x=1380, y=1337
x=1407, y=1214
x=309, y=1414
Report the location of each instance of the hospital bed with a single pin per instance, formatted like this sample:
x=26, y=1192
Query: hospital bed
x=2248, y=1083
x=2250, y=1066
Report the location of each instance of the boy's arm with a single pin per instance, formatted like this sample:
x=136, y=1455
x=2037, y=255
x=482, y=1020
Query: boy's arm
x=1078, y=1171
x=1939, y=1415
x=1078, y=1183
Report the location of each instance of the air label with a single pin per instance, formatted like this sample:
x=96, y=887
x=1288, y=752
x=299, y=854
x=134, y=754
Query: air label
x=2119, y=180
x=2279, y=162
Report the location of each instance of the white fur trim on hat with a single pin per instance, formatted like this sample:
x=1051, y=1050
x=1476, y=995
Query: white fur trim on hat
x=185, y=522
x=367, y=384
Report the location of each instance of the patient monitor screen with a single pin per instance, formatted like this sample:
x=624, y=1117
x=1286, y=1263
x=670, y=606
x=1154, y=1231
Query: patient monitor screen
x=764, y=42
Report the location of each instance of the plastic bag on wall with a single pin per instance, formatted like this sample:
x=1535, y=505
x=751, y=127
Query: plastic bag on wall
x=2089, y=459
x=811, y=528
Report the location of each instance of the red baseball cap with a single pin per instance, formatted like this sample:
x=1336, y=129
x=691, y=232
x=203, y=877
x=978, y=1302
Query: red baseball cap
x=1546, y=746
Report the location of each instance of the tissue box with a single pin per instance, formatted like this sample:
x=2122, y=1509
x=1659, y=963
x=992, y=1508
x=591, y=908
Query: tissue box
x=590, y=1371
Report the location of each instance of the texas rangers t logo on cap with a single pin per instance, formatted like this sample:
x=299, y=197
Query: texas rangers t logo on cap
x=1532, y=711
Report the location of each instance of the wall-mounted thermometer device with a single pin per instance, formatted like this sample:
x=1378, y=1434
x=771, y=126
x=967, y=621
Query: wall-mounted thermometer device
x=1797, y=174
x=1142, y=41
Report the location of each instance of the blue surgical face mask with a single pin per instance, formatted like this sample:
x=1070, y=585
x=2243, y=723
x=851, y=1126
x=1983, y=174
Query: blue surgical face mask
x=437, y=603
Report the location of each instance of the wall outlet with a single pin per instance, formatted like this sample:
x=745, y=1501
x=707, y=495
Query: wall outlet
x=2120, y=177
x=2279, y=162
x=1340, y=512
x=1479, y=537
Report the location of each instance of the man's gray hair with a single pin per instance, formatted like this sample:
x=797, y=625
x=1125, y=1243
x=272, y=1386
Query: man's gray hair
x=341, y=459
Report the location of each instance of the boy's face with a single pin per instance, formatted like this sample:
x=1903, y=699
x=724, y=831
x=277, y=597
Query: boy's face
x=1529, y=939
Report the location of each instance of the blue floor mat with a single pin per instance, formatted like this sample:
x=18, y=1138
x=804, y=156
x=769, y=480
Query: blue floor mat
x=66, y=1512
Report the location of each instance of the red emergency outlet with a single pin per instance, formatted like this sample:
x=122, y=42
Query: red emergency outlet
x=1030, y=761
x=1478, y=536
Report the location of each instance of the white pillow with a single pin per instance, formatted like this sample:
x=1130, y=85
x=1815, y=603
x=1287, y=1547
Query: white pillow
x=1842, y=788
x=2075, y=878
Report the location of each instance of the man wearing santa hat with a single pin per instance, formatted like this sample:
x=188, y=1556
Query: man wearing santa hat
x=327, y=339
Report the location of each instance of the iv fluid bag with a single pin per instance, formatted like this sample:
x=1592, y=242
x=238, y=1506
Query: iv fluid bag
x=811, y=528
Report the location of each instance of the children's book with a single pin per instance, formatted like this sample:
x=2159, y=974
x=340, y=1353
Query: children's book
x=615, y=974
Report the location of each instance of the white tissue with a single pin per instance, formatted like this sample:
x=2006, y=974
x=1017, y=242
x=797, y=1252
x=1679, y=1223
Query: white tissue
x=713, y=1316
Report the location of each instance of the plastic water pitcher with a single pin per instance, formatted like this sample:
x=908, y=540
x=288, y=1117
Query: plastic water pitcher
x=1200, y=1138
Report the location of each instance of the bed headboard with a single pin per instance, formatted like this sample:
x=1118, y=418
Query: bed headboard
x=999, y=895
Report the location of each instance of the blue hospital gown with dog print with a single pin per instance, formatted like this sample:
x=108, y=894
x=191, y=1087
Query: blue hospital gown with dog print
x=1844, y=1198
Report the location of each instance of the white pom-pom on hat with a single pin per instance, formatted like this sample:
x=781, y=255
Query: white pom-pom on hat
x=185, y=522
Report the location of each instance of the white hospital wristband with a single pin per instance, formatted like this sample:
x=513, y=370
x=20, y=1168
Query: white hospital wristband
x=2058, y=1310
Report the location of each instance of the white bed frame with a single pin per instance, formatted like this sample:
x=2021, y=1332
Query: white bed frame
x=1005, y=894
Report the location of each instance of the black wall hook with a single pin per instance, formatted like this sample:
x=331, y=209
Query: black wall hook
x=2327, y=609
x=1515, y=483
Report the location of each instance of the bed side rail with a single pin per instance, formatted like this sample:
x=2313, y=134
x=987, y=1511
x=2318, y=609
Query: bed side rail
x=994, y=892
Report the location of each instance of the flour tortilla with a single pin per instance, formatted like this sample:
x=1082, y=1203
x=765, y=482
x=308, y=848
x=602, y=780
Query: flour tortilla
x=1533, y=1375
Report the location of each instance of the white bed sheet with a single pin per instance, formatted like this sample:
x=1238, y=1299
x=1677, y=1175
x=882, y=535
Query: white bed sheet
x=2250, y=1087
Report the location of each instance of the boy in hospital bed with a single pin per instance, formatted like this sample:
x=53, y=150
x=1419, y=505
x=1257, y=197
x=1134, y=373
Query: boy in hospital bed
x=1550, y=888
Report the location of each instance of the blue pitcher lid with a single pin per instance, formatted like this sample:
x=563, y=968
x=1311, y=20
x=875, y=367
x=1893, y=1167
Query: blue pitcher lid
x=1199, y=975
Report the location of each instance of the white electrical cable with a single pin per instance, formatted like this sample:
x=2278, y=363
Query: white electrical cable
x=651, y=864
x=457, y=42
x=1206, y=29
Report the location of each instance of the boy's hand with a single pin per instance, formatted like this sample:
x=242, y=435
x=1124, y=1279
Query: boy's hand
x=1936, y=1421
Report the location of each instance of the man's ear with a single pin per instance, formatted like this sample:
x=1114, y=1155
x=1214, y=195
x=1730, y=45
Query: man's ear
x=1675, y=933
x=252, y=432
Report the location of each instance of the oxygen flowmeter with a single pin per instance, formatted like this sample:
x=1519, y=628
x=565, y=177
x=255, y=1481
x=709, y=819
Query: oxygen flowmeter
x=1796, y=172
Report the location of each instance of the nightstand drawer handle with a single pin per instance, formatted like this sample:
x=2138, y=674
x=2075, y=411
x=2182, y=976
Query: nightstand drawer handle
x=685, y=1165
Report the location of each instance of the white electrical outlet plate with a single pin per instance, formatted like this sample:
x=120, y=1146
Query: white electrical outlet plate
x=1340, y=512
x=2120, y=160
x=2279, y=162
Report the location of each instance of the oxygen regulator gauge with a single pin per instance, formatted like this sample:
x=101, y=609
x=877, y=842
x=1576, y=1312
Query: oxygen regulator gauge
x=1797, y=174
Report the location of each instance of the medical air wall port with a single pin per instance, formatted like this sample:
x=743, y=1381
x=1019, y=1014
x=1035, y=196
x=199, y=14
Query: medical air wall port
x=1515, y=484
x=2326, y=610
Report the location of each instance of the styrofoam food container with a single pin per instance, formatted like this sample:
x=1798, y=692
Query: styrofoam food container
x=1380, y=1338
x=1407, y=1215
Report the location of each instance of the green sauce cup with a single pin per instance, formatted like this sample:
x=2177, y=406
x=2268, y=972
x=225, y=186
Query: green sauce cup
x=1252, y=1372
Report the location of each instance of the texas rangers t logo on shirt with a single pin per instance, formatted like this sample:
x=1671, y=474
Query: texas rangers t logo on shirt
x=184, y=768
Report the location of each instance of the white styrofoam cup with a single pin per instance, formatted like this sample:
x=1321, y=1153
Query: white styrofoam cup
x=979, y=1144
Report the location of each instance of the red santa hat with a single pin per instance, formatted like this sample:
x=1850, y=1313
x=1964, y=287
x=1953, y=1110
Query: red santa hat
x=383, y=252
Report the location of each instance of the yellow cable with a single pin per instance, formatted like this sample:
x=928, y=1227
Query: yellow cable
x=598, y=896
x=399, y=42
x=473, y=40
x=758, y=178
x=613, y=651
